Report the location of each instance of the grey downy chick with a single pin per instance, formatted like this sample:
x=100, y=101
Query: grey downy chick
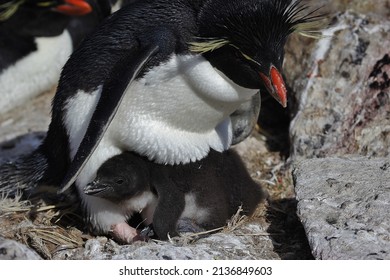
x=193, y=197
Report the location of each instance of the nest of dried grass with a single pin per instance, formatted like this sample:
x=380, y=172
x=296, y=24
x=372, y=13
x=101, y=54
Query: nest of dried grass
x=40, y=226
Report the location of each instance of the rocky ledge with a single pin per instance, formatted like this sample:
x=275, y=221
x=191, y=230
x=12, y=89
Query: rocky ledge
x=340, y=140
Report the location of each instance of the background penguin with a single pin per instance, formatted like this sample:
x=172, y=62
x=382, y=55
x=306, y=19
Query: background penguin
x=207, y=192
x=37, y=38
x=159, y=78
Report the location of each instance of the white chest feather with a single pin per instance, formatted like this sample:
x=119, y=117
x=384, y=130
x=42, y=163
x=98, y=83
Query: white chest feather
x=102, y=213
x=173, y=115
x=117, y=5
x=37, y=72
x=178, y=112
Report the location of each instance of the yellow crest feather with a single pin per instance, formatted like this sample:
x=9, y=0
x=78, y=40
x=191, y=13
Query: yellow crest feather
x=312, y=29
x=207, y=46
x=307, y=23
x=45, y=4
x=9, y=8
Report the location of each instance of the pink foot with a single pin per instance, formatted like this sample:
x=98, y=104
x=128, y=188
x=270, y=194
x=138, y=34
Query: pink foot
x=124, y=233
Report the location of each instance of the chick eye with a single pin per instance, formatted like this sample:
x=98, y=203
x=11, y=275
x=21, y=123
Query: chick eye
x=119, y=181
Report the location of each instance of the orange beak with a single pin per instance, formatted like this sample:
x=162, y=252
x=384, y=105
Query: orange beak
x=275, y=85
x=74, y=8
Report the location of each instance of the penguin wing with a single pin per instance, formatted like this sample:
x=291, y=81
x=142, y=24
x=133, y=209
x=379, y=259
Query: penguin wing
x=123, y=74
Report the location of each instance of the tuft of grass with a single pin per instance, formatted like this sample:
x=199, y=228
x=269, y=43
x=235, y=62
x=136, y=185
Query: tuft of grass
x=37, y=225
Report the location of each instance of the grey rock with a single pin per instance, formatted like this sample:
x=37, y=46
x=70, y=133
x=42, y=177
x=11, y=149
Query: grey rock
x=342, y=115
x=344, y=204
x=344, y=101
x=13, y=250
x=377, y=8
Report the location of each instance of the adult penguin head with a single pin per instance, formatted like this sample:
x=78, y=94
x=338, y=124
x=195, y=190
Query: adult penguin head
x=68, y=7
x=245, y=39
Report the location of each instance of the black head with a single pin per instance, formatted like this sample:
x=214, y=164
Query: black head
x=39, y=18
x=245, y=39
x=120, y=177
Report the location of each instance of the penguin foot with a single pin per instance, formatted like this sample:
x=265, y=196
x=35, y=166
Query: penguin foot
x=147, y=232
x=125, y=234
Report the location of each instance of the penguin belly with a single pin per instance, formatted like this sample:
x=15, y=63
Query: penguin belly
x=193, y=211
x=35, y=73
x=177, y=112
x=162, y=116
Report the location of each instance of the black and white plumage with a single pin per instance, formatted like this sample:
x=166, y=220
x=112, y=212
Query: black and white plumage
x=159, y=78
x=207, y=192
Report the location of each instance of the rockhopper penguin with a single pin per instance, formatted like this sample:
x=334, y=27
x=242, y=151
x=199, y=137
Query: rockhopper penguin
x=159, y=78
x=207, y=192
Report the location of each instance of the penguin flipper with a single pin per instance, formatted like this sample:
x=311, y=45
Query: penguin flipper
x=170, y=206
x=123, y=74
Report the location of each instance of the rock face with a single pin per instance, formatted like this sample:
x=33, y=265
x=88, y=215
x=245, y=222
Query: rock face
x=344, y=103
x=344, y=205
x=343, y=108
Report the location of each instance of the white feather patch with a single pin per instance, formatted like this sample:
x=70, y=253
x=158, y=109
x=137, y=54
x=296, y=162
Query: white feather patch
x=78, y=114
x=177, y=112
x=36, y=73
x=117, y=5
x=103, y=213
x=193, y=211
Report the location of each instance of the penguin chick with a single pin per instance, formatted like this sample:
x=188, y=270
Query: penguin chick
x=191, y=197
x=124, y=183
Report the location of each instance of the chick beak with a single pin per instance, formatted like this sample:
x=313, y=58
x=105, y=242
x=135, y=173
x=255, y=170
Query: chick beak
x=74, y=8
x=94, y=188
x=275, y=85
